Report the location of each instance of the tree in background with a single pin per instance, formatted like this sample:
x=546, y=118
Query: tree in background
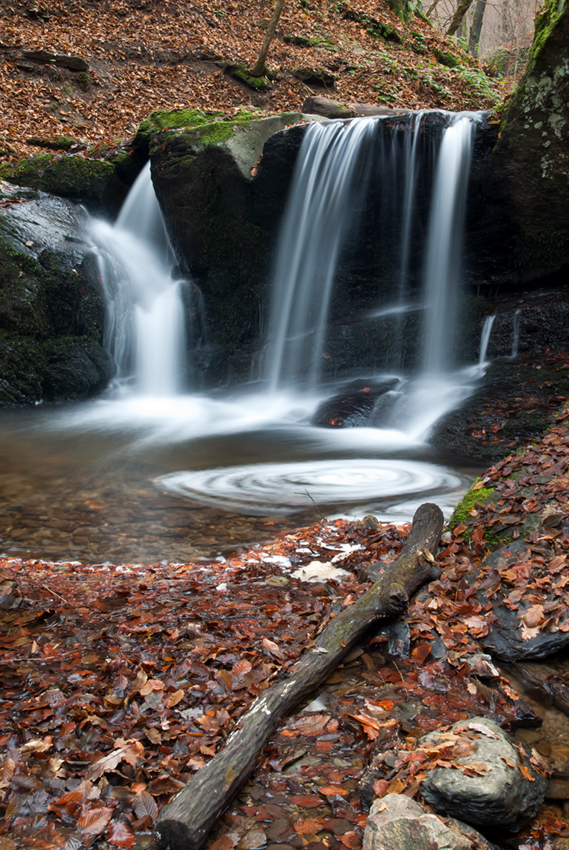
x=259, y=68
x=476, y=27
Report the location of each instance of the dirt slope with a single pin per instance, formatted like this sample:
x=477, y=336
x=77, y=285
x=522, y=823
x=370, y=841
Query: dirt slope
x=140, y=56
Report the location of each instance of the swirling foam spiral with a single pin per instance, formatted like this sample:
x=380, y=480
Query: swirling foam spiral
x=283, y=488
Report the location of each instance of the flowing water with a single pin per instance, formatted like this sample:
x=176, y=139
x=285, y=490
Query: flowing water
x=150, y=473
x=145, y=331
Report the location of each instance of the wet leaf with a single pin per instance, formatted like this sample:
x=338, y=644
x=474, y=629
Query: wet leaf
x=94, y=821
x=144, y=805
x=120, y=835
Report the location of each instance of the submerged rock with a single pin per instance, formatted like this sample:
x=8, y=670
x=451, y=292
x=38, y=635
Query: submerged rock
x=51, y=305
x=396, y=822
x=354, y=405
x=503, y=788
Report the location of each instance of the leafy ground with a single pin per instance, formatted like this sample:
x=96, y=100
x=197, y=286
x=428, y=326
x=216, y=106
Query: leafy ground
x=147, y=55
x=119, y=682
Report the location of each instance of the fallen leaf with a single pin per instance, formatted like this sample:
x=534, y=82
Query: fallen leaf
x=94, y=821
x=120, y=835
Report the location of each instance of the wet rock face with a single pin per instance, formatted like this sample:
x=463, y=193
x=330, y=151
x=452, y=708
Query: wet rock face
x=532, y=156
x=396, y=822
x=51, y=307
x=498, y=794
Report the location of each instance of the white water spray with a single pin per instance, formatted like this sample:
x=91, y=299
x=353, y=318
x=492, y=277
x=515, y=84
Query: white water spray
x=145, y=331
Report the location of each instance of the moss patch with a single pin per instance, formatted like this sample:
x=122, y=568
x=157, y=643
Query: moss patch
x=461, y=514
x=446, y=58
x=242, y=73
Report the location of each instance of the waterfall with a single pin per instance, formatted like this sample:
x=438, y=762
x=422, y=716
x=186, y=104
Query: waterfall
x=485, y=339
x=444, y=245
x=145, y=328
x=330, y=188
x=329, y=182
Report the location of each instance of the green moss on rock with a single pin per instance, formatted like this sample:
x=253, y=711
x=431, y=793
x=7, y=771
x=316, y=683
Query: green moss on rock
x=242, y=73
x=447, y=58
x=163, y=119
x=461, y=514
x=94, y=182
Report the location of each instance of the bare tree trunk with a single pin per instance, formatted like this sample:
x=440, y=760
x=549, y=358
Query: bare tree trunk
x=476, y=28
x=432, y=8
x=184, y=824
x=259, y=68
x=461, y=11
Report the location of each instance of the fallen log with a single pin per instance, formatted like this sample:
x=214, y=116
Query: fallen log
x=184, y=824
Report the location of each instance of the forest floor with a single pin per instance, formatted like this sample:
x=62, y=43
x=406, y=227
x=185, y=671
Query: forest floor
x=142, y=55
x=119, y=682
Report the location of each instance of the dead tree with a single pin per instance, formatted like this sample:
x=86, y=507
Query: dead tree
x=184, y=824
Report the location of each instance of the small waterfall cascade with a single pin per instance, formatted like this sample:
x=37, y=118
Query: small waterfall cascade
x=485, y=339
x=329, y=183
x=444, y=243
x=145, y=331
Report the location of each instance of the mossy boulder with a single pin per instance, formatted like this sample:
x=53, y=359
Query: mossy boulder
x=52, y=311
x=222, y=209
x=99, y=184
x=532, y=155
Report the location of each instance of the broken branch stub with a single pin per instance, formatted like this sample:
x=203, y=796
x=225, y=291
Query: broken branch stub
x=184, y=824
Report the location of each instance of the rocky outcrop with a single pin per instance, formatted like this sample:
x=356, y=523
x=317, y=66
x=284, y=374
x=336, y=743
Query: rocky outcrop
x=495, y=785
x=51, y=306
x=531, y=160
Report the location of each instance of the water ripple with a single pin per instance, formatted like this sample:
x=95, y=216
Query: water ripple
x=389, y=488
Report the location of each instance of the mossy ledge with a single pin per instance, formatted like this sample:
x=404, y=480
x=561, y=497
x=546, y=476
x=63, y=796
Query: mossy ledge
x=97, y=183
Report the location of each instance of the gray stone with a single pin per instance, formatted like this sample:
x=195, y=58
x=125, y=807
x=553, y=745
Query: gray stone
x=501, y=796
x=396, y=822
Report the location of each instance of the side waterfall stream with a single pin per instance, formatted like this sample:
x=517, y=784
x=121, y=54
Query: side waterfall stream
x=154, y=471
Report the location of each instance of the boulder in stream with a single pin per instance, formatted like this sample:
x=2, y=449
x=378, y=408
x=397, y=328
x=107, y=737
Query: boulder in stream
x=396, y=822
x=352, y=406
x=496, y=785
